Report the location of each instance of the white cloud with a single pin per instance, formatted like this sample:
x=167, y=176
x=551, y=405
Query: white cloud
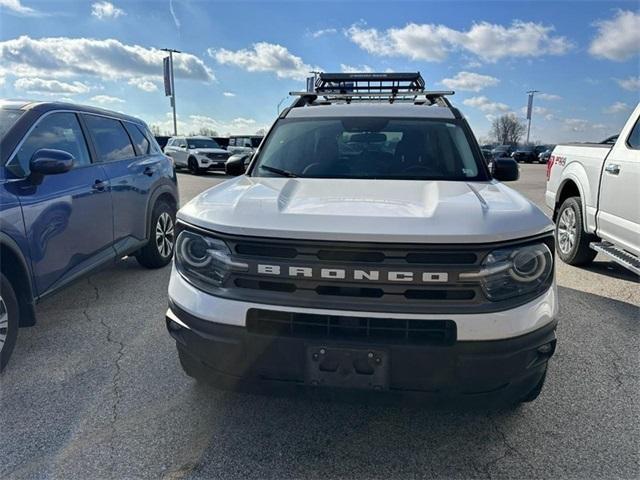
x=49, y=86
x=538, y=111
x=548, y=96
x=106, y=10
x=322, y=32
x=228, y=94
x=483, y=104
x=16, y=6
x=631, y=83
x=618, y=39
x=105, y=99
x=616, y=107
x=431, y=42
x=176, y=20
x=265, y=57
x=582, y=125
x=193, y=124
x=473, y=82
x=108, y=59
x=355, y=69
x=143, y=83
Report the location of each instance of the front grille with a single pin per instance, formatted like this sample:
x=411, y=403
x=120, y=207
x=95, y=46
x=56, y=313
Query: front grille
x=435, y=287
x=365, y=329
x=217, y=156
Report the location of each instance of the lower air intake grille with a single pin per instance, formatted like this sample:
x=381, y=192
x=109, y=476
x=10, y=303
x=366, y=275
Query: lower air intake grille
x=366, y=329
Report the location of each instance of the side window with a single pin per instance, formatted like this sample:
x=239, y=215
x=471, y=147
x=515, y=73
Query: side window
x=140, y=142
x=58, y=131
x=232, y=142
x=110, y=138
x=634, y=137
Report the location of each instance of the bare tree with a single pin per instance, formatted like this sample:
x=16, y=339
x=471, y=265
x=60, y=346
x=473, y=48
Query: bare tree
x=507, y=129
x=261, y=131
x=155, y=130
x=207, y=132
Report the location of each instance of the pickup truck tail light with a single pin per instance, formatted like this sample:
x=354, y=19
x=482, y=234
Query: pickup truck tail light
x=549, y=165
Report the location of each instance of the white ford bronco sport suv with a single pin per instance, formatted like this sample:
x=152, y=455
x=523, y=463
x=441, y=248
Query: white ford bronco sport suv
x=368, y=247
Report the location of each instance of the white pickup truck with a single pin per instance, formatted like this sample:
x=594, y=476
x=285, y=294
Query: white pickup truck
x=594, y=191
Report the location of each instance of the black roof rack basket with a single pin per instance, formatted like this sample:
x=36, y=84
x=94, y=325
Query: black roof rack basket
x=390, y=83
x=369, y=87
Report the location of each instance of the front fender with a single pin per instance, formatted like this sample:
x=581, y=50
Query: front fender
x=576, y=173
x=164, y=187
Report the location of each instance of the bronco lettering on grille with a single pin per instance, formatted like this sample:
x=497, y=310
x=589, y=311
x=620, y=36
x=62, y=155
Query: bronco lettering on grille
x=353, y=274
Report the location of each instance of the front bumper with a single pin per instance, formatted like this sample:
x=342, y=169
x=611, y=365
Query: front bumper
x=212, y=164
x=233, y=356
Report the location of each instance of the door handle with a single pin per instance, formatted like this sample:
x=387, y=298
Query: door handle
x=100, y=185
x=149, y=171
x=612, y=168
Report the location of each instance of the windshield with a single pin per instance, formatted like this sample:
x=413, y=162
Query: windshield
x=359, y=148
x=202, y=143
x=7, y=119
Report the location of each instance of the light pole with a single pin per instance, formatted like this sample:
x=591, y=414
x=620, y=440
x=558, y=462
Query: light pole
x=530, y=111
x=173, y=87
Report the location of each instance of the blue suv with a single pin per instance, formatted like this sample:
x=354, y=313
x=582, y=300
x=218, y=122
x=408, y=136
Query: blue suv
x=80, y=187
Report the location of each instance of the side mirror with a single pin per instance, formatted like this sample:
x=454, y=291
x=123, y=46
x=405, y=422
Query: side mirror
x=505, y=169
x=50, y=162
x=235, y=166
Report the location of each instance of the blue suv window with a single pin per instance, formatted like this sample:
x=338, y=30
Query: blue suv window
x=110, y=138
x=59, y=131
x=143, y=147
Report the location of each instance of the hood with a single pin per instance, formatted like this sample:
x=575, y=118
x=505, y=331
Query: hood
x=400, y=211
x=209, y=150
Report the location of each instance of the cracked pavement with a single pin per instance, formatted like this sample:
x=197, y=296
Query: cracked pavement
x=95, y=391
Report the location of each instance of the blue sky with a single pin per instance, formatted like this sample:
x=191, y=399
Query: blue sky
x=241, y=58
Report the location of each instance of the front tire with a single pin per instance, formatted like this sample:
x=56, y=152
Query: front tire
x=9, y=314
x=193, y=166
x=159, y=249
x=572, y=241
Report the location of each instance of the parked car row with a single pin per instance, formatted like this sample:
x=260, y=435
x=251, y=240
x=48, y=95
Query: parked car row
x=520, y=153
x=80, y=188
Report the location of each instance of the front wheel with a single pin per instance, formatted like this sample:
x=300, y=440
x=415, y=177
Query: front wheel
x=572, y=241
x=193, y=166
x=159, y=249
x=9, y=312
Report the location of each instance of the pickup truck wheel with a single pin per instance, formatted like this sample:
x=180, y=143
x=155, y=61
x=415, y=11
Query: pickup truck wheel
x=9, y=311
x=193, y=166
x=159, y=249
x=572, y=241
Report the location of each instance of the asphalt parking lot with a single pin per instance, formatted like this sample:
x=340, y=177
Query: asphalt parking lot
x=95, y=391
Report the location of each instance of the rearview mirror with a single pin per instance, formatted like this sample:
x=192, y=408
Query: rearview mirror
x=505, y=169
x=47, y=161
x=235, y=166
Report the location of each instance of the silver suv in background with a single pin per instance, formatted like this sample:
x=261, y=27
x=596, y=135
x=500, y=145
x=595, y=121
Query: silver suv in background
x=197, y=153
x=244, y=144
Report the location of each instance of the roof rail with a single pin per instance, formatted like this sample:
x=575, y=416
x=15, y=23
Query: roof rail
x=371, y=87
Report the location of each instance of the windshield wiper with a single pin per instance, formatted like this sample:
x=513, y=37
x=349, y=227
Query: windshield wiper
x=282, y=173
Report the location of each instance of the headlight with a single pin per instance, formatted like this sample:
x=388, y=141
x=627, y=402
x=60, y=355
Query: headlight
x=204, y=260
x=512, y=272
